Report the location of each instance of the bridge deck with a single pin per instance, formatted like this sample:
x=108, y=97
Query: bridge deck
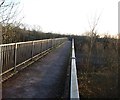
x=43, y=79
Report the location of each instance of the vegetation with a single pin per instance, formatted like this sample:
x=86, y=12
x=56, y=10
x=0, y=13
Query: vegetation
x=12, y=28
x=97, y=66
x=97, y=58
x=14, y=33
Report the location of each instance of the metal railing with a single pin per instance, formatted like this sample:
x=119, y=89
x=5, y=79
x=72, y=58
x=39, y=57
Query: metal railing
x=74, y=91
x=13, y=55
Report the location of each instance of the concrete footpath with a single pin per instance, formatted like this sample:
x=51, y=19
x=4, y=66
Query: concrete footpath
x=43, y=79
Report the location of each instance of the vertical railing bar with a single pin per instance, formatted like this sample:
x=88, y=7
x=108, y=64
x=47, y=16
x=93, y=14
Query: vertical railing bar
x=51, y=43
x=32, y=50
x=1, y=62
x=41, y=46
x=15, y=62
x=46, y=44
x=18, y=51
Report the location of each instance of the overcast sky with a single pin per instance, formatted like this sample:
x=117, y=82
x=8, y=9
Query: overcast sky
x=71, y=16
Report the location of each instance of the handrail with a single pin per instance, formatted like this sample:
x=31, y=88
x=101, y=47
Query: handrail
x=14, y=55
x=31, y=41
x=74, y=92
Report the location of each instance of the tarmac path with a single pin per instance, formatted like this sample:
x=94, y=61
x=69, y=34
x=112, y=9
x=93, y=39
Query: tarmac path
x=43, y=79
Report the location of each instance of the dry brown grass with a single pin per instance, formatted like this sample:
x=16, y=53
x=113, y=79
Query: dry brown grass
x=100, y=78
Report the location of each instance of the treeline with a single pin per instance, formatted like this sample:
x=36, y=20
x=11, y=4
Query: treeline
x=12, y=34
x=106, y=41
x=12, y=29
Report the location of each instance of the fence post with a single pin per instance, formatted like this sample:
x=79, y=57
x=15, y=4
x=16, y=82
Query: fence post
x=32, y=50
x=0, y=34
x=1, y=62
x=15, y=56
x=54, y=43
x=46, y=44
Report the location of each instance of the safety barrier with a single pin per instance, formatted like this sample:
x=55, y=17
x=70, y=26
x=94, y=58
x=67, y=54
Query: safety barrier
x=13, y=55
x=74, y=91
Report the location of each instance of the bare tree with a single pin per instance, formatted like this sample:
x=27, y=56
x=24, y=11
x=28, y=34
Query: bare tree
x=93, y=35
x=2, y=2
x=9, y=12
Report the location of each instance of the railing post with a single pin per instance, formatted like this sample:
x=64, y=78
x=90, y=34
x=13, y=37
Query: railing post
x=18, y=51
x=47, y=44
x=32, y=50
x=74, y=91
x=41, y=46
x=1, y=61
x=0, y=34
x=50, y=43
x=15, y=56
